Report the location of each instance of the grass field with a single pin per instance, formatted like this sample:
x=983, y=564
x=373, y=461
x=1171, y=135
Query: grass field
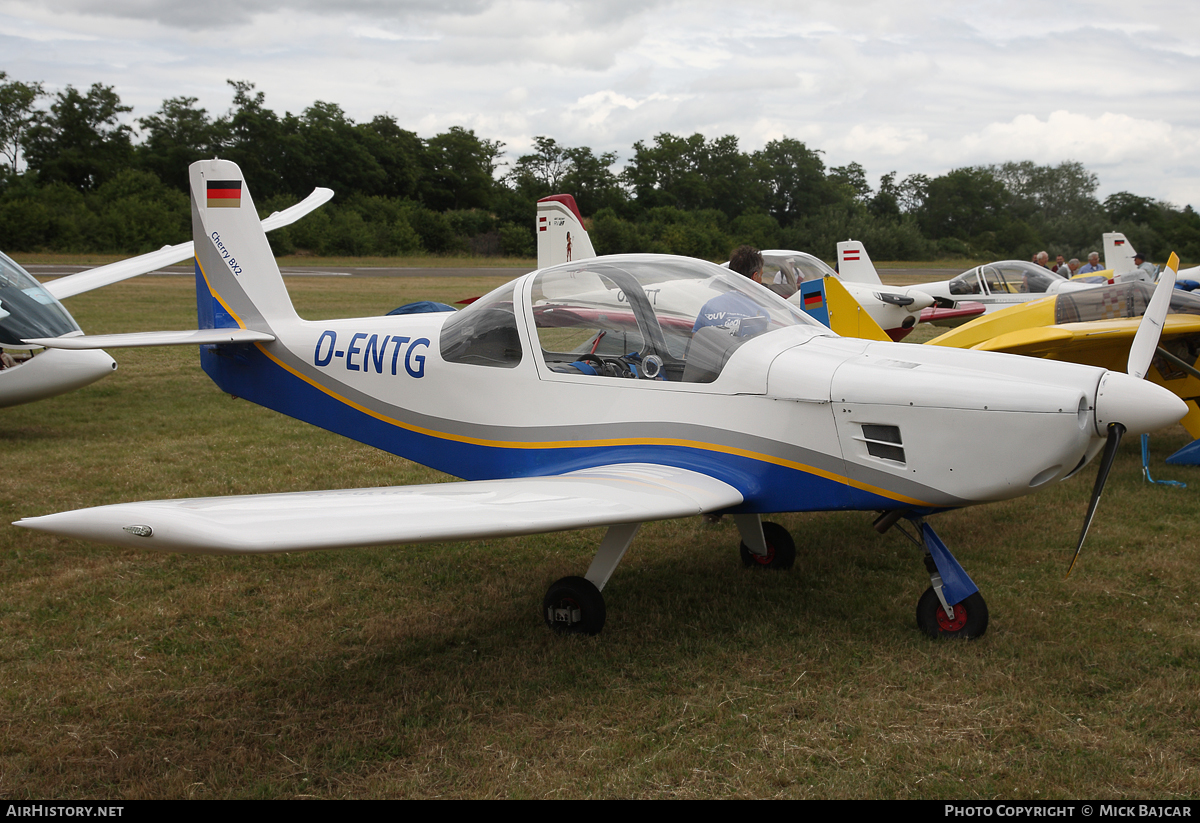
x=416, y=261
x=426, y=671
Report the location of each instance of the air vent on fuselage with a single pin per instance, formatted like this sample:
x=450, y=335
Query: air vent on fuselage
x=883, y=441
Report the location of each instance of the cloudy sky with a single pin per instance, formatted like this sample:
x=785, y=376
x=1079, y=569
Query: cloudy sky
x=921, y=86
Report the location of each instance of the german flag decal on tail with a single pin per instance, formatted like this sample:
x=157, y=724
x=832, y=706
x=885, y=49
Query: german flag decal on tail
x=224, y=194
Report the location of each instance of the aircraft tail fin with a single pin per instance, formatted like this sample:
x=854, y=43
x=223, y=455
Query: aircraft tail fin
x=854, y=264
x=560, y=233
x=1118, y=253
x=238, y=284
x=827, y=301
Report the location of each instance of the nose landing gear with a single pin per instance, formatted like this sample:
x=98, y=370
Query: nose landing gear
x=952, y=605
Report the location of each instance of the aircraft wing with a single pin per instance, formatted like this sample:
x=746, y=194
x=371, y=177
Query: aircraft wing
x=74, y=284
x=1084, y=342
x=303, y=521
x=146, y=339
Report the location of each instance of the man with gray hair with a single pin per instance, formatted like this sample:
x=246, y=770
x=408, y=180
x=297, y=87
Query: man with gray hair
x=1093, y=264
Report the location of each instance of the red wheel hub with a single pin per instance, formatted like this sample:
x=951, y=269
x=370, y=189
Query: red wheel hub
x=951, y=624
x=765, y=559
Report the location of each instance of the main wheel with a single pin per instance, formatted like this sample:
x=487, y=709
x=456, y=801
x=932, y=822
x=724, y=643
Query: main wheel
x=970, y=616
x=781, y=550
x=574, y=605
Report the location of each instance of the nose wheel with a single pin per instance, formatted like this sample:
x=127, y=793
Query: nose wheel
x=967, y=619
x=952, y=605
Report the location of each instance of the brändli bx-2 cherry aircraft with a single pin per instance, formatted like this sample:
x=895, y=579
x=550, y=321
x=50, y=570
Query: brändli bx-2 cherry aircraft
x=29, y=309
x=691, y=390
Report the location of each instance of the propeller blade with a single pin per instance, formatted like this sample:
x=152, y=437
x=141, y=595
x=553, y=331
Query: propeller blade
x=1115, y=432
x=1149, y=330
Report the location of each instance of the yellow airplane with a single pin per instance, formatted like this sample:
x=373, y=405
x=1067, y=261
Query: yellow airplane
x=1096, y=327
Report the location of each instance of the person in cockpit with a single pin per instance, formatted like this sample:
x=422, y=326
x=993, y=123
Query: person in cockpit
x=732, y=309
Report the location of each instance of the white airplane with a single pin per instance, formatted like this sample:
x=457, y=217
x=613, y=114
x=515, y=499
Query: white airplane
x=1002, y=284
x=766, y=411
x=896, y=310
x=562, y=237
x=31, y=309
x=855, y=266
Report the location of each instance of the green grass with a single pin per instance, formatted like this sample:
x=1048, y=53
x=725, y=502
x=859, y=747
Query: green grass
x=413, y=261
x=955, y=264
x=426, y=671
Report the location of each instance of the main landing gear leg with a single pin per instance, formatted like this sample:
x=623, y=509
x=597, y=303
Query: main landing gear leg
x=574, y=605
x=952, y=605
x=764, y=545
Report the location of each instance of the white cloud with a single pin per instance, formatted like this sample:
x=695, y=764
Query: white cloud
x=1104, y=140
x=923, y=86
x=887, y=141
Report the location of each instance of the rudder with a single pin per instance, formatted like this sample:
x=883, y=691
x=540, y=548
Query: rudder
x=1118, y=253
x=854, y=264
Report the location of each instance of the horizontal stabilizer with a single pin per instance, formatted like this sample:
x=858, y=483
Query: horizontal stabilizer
x=146, y=339
x=277, y=220
x=74, y=284
x=303, y=521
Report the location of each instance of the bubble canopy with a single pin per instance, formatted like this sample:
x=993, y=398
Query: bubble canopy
x=605, y=316
x=1006, y=277
x=612, y=313
x=27, y=310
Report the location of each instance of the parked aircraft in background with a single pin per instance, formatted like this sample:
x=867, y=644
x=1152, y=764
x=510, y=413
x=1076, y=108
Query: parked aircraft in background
x=29, y=309
x=854, y=265
x=896, y=310
x=1001, y=284
x=712, y=395
x=562, y=237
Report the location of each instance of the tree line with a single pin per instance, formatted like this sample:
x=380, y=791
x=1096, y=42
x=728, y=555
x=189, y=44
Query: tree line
x=74, y=176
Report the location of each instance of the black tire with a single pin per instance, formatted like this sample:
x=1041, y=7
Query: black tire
x=781, y=550
x=573, y=605
x=970, y=617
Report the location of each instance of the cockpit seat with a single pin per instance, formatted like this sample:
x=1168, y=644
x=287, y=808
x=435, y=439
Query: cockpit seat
x=707, y=352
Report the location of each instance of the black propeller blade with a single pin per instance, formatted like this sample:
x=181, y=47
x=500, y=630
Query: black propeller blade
x=1115, y=432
